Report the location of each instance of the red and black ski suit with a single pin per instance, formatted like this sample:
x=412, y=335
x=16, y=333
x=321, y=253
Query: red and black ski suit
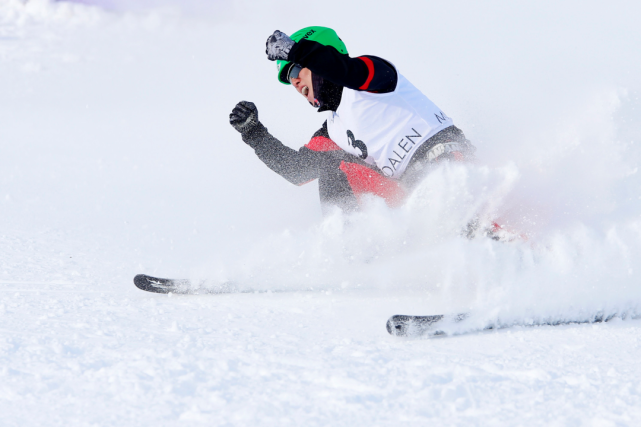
x=343, y=177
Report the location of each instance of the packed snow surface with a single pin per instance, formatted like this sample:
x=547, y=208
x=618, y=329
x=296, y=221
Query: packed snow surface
x=117, y=158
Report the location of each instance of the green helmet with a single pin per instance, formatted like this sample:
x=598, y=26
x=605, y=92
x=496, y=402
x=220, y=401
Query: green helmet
x=323, y=35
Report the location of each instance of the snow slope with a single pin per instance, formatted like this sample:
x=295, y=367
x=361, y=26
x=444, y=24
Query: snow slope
x=117, y=158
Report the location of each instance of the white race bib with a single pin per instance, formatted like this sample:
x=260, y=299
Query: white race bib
x=385, y=129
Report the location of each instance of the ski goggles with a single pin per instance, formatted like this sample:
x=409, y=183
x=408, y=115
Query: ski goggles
x=294, y=71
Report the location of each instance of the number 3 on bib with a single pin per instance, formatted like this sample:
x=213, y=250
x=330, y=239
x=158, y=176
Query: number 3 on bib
x=360, y=145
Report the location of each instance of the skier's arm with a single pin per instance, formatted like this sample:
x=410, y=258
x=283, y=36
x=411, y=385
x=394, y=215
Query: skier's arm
x=367, y=73
x=298, y=167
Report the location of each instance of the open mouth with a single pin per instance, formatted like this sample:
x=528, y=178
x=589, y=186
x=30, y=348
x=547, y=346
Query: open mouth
x=305, y=91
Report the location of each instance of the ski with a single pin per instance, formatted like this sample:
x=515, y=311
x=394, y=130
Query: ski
x=412, y=326
x=182, y=286
x=162, y=286
x=448, y=325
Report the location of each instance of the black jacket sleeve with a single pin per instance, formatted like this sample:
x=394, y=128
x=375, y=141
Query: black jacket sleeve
x=298, y=167
x=368, y=73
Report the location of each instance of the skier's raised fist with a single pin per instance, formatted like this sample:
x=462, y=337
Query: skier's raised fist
x=278, y=46
x=244, y=116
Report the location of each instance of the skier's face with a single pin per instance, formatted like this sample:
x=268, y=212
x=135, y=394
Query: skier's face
x=303, y=84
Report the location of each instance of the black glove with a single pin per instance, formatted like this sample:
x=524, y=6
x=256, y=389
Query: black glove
x=278, y=46
x=244, y=117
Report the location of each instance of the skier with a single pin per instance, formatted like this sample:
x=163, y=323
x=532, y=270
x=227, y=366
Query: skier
x=381, y=136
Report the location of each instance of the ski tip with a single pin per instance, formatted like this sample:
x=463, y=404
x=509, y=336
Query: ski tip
x=401, y=325
x=397, y=325
x=150, y=284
